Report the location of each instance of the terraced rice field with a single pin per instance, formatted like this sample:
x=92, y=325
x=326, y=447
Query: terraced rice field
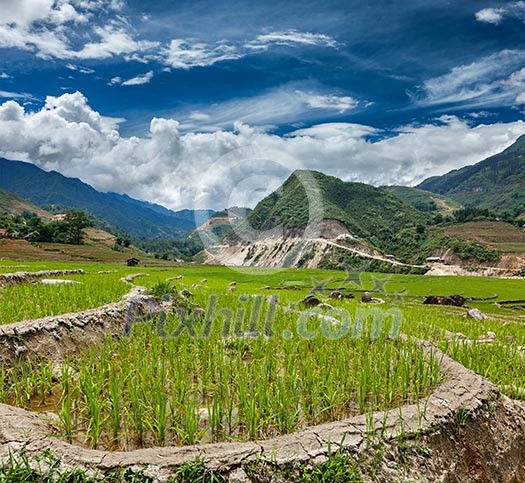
x=241, y=358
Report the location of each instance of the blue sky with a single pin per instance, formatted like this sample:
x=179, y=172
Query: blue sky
x=382, y=92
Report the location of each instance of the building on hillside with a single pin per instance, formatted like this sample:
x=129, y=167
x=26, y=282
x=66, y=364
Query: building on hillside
x=60, y=217
x=435, y=260
x=133, y=262
x=345, y=236
x=3, y=233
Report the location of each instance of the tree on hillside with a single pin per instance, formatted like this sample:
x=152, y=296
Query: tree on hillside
x=76, y=222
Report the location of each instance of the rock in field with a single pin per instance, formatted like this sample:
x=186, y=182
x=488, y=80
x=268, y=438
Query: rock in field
x=476, y=314
x=56, y=281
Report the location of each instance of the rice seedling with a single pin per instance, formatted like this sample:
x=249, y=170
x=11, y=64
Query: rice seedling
x=91, y=393
x=115, y=403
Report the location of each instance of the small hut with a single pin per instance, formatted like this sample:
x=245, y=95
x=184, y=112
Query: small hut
x=133, y=262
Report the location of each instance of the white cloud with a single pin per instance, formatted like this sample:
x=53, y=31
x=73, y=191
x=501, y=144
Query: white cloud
x=139, y=80
x=199, y=116
x=134, y=81
x=115, y=81
x=185, y=54
x=291, y=103
x=94, y=29
x=333, y=130
x=338, y=103
x=182, y=54
x=79, y=68
x=520, y=99
x=494, y=80
x=3, y=75
x=69, y=29
x=16, y=95
x=224, y=168
x=24, y=12
x=291, y=38
x=490, y=15
x=113, y=40
x=496, y=15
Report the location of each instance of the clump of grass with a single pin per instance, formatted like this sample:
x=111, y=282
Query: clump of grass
x=19, y=468
x=161, y=290
x=196, y=472
x=339, y=468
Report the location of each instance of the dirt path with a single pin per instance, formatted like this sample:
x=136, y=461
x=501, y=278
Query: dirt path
x=367, y=255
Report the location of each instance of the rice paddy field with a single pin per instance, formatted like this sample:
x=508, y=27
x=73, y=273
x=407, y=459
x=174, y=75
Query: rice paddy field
x=242, y=359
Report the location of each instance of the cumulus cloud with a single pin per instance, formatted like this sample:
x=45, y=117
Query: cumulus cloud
x=68, y=29
x=3, y=75
x=25, y=12
x=494, y=80
x=496, y=15
x=225, y=168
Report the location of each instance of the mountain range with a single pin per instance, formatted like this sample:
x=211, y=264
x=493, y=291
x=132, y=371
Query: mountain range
x=497, y=183
x=133, y=217
x=376, y=214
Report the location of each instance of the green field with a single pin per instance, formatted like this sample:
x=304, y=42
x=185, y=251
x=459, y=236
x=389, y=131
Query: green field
x=182, y=381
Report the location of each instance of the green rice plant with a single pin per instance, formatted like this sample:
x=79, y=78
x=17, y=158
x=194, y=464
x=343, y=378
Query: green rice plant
x=4, y=385
x=189, y=431
x=159, y=401
x=137, y=411
x=115, y=405
x=45, y=380
x=66, y=416
x=23, y=382
x=66, y=411
x=91, y=390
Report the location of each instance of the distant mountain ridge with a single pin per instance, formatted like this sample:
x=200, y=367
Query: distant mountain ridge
x=496, y=183
x=134, y=217
x=16, y=205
